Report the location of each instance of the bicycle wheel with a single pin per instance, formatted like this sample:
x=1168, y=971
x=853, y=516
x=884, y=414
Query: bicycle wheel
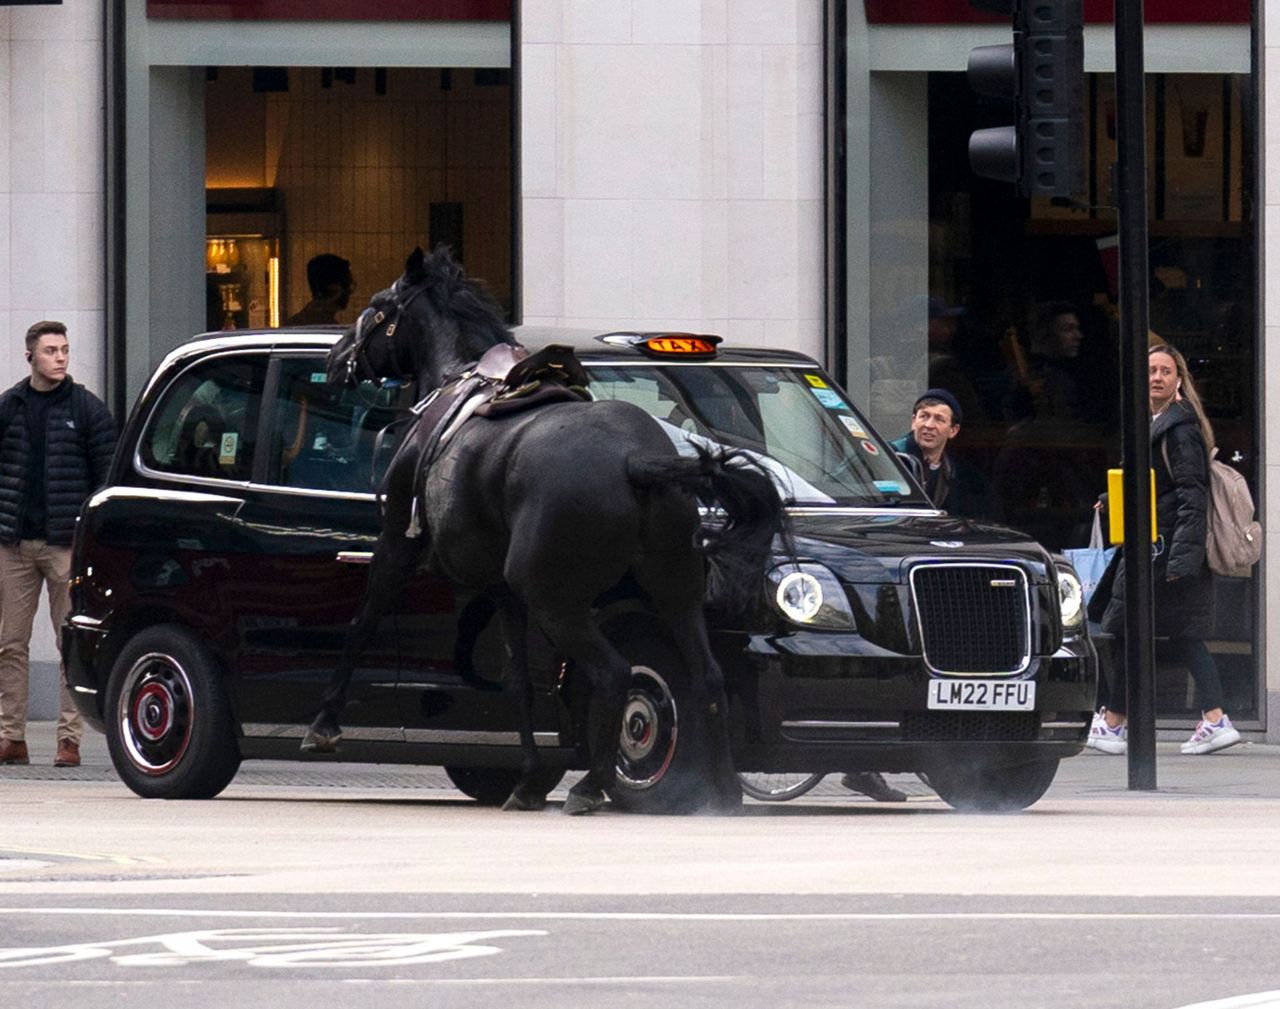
x=769, y=787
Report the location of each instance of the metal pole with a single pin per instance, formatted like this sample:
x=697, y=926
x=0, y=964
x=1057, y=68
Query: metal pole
x=1131, y=204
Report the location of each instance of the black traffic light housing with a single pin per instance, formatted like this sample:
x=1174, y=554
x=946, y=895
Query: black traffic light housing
x=1042, y=71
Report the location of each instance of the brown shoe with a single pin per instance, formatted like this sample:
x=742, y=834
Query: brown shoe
x=13, y=751
x=68, y=754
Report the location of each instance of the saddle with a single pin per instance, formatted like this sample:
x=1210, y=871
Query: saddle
x=525, y=380
x=506, y=380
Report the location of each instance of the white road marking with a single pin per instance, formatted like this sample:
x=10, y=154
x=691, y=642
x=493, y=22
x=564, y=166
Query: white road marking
x=1258, y=1000
x=890, y=916
x=21, y=864
x=272, y=947
x=620, y=979
x=89, y=856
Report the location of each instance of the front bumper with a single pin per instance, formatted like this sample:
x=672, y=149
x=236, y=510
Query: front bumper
x=809, y=701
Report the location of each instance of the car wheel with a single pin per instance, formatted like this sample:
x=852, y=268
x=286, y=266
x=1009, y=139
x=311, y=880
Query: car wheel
x=989, y=787
x=663, y=755
x=169, y=725
x=491, y=786
x=768, y=787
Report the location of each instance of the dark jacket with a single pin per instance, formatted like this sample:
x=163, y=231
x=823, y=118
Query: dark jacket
x=960, y=490
x=1183, y=607
x=79, y=442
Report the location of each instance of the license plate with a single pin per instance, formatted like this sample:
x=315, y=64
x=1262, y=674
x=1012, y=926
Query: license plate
x=982, y=695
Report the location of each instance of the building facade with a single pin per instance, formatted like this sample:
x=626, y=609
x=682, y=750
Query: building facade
x=782, y=172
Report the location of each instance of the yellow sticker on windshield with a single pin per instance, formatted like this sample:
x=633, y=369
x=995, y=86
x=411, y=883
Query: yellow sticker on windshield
x=816, y=381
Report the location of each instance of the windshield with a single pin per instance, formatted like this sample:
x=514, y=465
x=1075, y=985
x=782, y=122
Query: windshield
x=817, y=446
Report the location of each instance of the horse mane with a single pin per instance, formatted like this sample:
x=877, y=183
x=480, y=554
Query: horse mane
x=452, y=294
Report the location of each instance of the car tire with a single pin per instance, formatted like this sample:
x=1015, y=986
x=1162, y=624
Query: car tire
x=170, y=730
x=491, y=786
x=664, y=758
x=989, y=787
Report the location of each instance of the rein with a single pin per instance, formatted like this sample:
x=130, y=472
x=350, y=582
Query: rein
x=376, y=321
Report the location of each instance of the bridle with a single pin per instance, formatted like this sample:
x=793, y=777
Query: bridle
x=370, y=321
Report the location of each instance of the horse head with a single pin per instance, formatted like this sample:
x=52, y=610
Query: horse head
x=430, y=324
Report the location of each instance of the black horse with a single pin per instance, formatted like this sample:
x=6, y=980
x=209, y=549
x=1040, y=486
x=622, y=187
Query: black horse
x=545, y=510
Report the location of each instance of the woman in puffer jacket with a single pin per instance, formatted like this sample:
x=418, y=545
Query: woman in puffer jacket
x=1181, y=440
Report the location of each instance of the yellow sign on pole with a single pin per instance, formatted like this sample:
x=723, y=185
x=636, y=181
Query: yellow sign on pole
x=1115, y=505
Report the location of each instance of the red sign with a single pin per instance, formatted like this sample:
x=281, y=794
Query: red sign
x=332, y=10
x=1155, y=12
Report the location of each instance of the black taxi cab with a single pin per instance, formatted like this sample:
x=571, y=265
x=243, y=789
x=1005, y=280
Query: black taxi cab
x=215, y=575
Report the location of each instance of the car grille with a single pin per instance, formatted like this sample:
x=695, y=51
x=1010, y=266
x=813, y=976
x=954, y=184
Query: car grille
x=970, y=726
x=974, y=618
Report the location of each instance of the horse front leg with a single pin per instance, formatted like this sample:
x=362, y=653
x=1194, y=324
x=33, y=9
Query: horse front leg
x=394, y=560
x=518, y=683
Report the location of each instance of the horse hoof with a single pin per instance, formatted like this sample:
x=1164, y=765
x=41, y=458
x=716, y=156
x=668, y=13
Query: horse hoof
x=523, y=803
x=577, y=805
x=314, y=742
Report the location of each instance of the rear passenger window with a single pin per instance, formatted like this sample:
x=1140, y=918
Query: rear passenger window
x=323, y=437
x=208, y=420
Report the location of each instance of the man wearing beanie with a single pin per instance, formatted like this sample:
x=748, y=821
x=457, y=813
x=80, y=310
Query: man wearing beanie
x=935, y=421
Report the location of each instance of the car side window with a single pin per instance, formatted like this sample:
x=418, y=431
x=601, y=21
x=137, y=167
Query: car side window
x=207, y=422
x=323, y=437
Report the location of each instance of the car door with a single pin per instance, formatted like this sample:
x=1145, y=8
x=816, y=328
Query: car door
x=311, y=513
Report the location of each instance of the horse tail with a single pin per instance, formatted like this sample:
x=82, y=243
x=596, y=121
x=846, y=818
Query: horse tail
x=739, y=545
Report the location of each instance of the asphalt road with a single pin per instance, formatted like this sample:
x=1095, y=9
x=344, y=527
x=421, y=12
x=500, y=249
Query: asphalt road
x=307, y=885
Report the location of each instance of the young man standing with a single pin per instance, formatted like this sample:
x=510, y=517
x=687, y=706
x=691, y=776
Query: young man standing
x=56, y=442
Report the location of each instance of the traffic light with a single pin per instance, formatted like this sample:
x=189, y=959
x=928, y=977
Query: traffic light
x=1042, y=71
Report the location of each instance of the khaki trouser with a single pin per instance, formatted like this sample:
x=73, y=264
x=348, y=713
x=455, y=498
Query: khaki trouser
x=23, y=569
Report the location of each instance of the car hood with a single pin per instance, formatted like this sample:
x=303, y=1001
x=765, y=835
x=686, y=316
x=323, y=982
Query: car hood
x=879, y=546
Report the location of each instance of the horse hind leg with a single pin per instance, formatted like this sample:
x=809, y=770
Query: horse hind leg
x=674, y=580
x=576, y=635
x=688, y=631
x=394, y=560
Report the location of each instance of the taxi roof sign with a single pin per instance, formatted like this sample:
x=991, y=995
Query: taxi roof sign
x=668, y=344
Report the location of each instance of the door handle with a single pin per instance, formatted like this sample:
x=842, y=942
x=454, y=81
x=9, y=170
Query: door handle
x=355, y=556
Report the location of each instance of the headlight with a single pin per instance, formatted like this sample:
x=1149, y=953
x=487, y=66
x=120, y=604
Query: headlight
x=811, y=596
x=1071, y=598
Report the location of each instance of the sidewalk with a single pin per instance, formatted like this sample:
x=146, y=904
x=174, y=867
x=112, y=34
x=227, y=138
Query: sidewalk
x=1246, y=771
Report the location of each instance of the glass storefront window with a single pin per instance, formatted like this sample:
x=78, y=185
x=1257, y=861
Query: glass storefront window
x=1023, y=319
x=362, y=164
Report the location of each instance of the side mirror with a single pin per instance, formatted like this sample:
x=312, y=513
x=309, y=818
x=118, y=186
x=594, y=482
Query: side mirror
x=913, y=466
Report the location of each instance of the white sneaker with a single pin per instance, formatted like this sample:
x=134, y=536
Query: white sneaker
x=1093, y=726
x=1105, y=739
x=1211, y=736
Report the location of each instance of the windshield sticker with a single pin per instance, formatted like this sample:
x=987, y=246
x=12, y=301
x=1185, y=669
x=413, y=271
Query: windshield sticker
x=830, y=399
x=816, y=381
x=227, y=450
x=870, y=448
x=889, y=487
x=318, y=378
x=854, y=428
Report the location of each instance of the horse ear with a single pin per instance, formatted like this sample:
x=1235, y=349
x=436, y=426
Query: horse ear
x=413, y=265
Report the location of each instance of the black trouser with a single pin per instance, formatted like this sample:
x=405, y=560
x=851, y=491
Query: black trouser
x=1191, y=651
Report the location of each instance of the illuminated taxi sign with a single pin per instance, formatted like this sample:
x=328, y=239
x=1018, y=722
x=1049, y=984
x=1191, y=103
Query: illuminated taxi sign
x=667, y=344
x=682, y=346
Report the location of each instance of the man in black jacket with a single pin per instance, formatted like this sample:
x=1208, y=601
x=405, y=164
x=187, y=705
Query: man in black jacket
x=56, y=442
x=951, y=486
